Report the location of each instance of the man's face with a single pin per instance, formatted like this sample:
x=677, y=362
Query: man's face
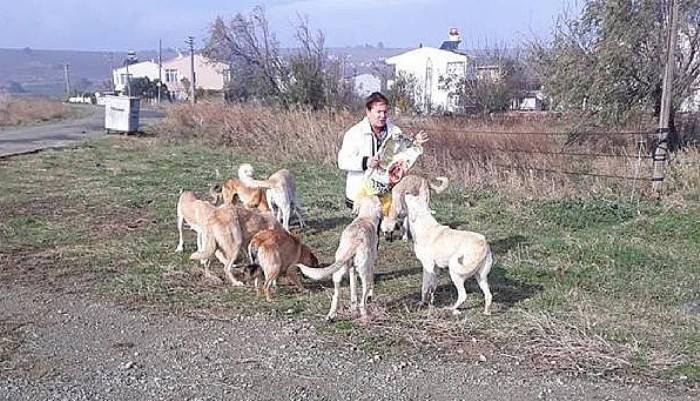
x=377, y=115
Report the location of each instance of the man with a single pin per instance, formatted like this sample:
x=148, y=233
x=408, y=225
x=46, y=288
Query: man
x=362, y=149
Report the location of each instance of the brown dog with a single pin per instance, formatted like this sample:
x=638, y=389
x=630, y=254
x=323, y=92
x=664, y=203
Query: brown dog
x=275, y=253
x=229, y=229
x=251, y=198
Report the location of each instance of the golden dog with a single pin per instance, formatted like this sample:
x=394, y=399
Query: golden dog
x=274, y=253
x=229, y=229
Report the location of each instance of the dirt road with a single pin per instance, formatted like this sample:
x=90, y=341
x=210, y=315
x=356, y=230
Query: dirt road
x=73, y=346
x=20, y=140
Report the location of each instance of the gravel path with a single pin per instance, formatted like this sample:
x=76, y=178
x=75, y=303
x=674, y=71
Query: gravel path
x=62, y=346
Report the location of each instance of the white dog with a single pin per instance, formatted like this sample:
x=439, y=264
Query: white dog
x=465, y=253
x=281, y=194
x=357, y=252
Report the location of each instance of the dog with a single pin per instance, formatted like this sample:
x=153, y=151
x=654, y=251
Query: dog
x=274, y=253
x=410, y=184
x=464, y=253
x=230, y=229
x=356, y=253
x=251, y=198
x=196, y=213
x=281, y=194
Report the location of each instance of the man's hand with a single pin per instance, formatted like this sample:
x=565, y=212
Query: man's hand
x=373, y=162
x=421, y=138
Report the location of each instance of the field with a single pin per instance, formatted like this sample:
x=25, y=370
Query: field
x=601, y=283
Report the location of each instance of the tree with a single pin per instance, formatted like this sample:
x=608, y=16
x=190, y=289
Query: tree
x=609, y=59
x=405, y=93
x=261, y=73
x=144, y=87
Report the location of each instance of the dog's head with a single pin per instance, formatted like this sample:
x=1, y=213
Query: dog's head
x=368, y=207
x=251, y=272
x=307, y=257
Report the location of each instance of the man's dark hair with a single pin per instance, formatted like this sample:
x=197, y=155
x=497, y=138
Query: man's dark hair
x=375, y=97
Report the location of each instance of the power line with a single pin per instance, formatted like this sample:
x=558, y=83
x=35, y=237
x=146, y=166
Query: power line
x=536, y=152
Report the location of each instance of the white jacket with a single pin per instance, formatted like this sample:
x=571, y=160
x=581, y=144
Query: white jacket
x=359, y=143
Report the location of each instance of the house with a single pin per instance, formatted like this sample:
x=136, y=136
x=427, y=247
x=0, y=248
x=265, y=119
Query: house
x=365, y=84
x=430, y=67
x=208, y=75
x=143, y=69
x=532, y=101
x=175, y=73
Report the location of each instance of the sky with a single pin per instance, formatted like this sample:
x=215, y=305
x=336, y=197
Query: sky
x=127, y=24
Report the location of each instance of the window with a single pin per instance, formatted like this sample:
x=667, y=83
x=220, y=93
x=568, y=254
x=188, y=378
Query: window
x=170, y=75
x=455, y=68
x=123, y=78
x=227, y=75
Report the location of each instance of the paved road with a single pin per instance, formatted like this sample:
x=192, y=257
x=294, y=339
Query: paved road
x=20, y=140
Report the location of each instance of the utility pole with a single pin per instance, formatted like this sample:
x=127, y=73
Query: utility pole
x=160, y=67
x=129, y=56
x=190, y=42
x=66, y=74
x=666, y=98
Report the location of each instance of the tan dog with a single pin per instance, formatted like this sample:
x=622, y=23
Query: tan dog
x=275, y=253
x=229, y=230
x=281, y=196
x=464, y=253
x=356, y=253
x=251, y=198
x=410, y=184
x=195, y=213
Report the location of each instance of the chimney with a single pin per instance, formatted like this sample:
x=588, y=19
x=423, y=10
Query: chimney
x=453, y=35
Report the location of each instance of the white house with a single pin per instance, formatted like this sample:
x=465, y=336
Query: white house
x=428, y=65
x=365, y=84
x=143, y=69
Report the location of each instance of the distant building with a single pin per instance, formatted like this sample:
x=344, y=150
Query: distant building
x=365, y=84
x=428, y=65
x=210, y=76
x=144, y=69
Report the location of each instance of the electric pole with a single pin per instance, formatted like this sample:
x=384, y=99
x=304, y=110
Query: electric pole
x=66, y=74
x=160, y=67
x=190, y=42
x=666, y=98
x=129, y=56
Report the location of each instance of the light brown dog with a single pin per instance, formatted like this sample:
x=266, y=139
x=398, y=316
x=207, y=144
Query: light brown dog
x=229, y=229
x=196, y=213
x=281, y=194
x=413, y=185
x=251, y=198
x=274, y=253
x=356, y=253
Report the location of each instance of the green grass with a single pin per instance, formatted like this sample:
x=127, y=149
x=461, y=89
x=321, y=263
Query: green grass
x=583, y=281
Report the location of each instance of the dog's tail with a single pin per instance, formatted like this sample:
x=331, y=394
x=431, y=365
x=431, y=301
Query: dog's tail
x=209, y=247
x=245, y=174
x=252, y=253
x=444, y=182
x=318, y=273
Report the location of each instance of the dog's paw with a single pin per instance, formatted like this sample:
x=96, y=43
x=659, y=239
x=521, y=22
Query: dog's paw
x=487, y=312
x=455, y=312
x=330, y=318
x=178, y=249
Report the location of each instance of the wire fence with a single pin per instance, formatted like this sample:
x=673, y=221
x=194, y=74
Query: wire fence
x=632, y=156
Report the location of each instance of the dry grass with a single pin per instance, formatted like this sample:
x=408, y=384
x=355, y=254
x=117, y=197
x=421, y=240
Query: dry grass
x=528, y=155
x=16, y=111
